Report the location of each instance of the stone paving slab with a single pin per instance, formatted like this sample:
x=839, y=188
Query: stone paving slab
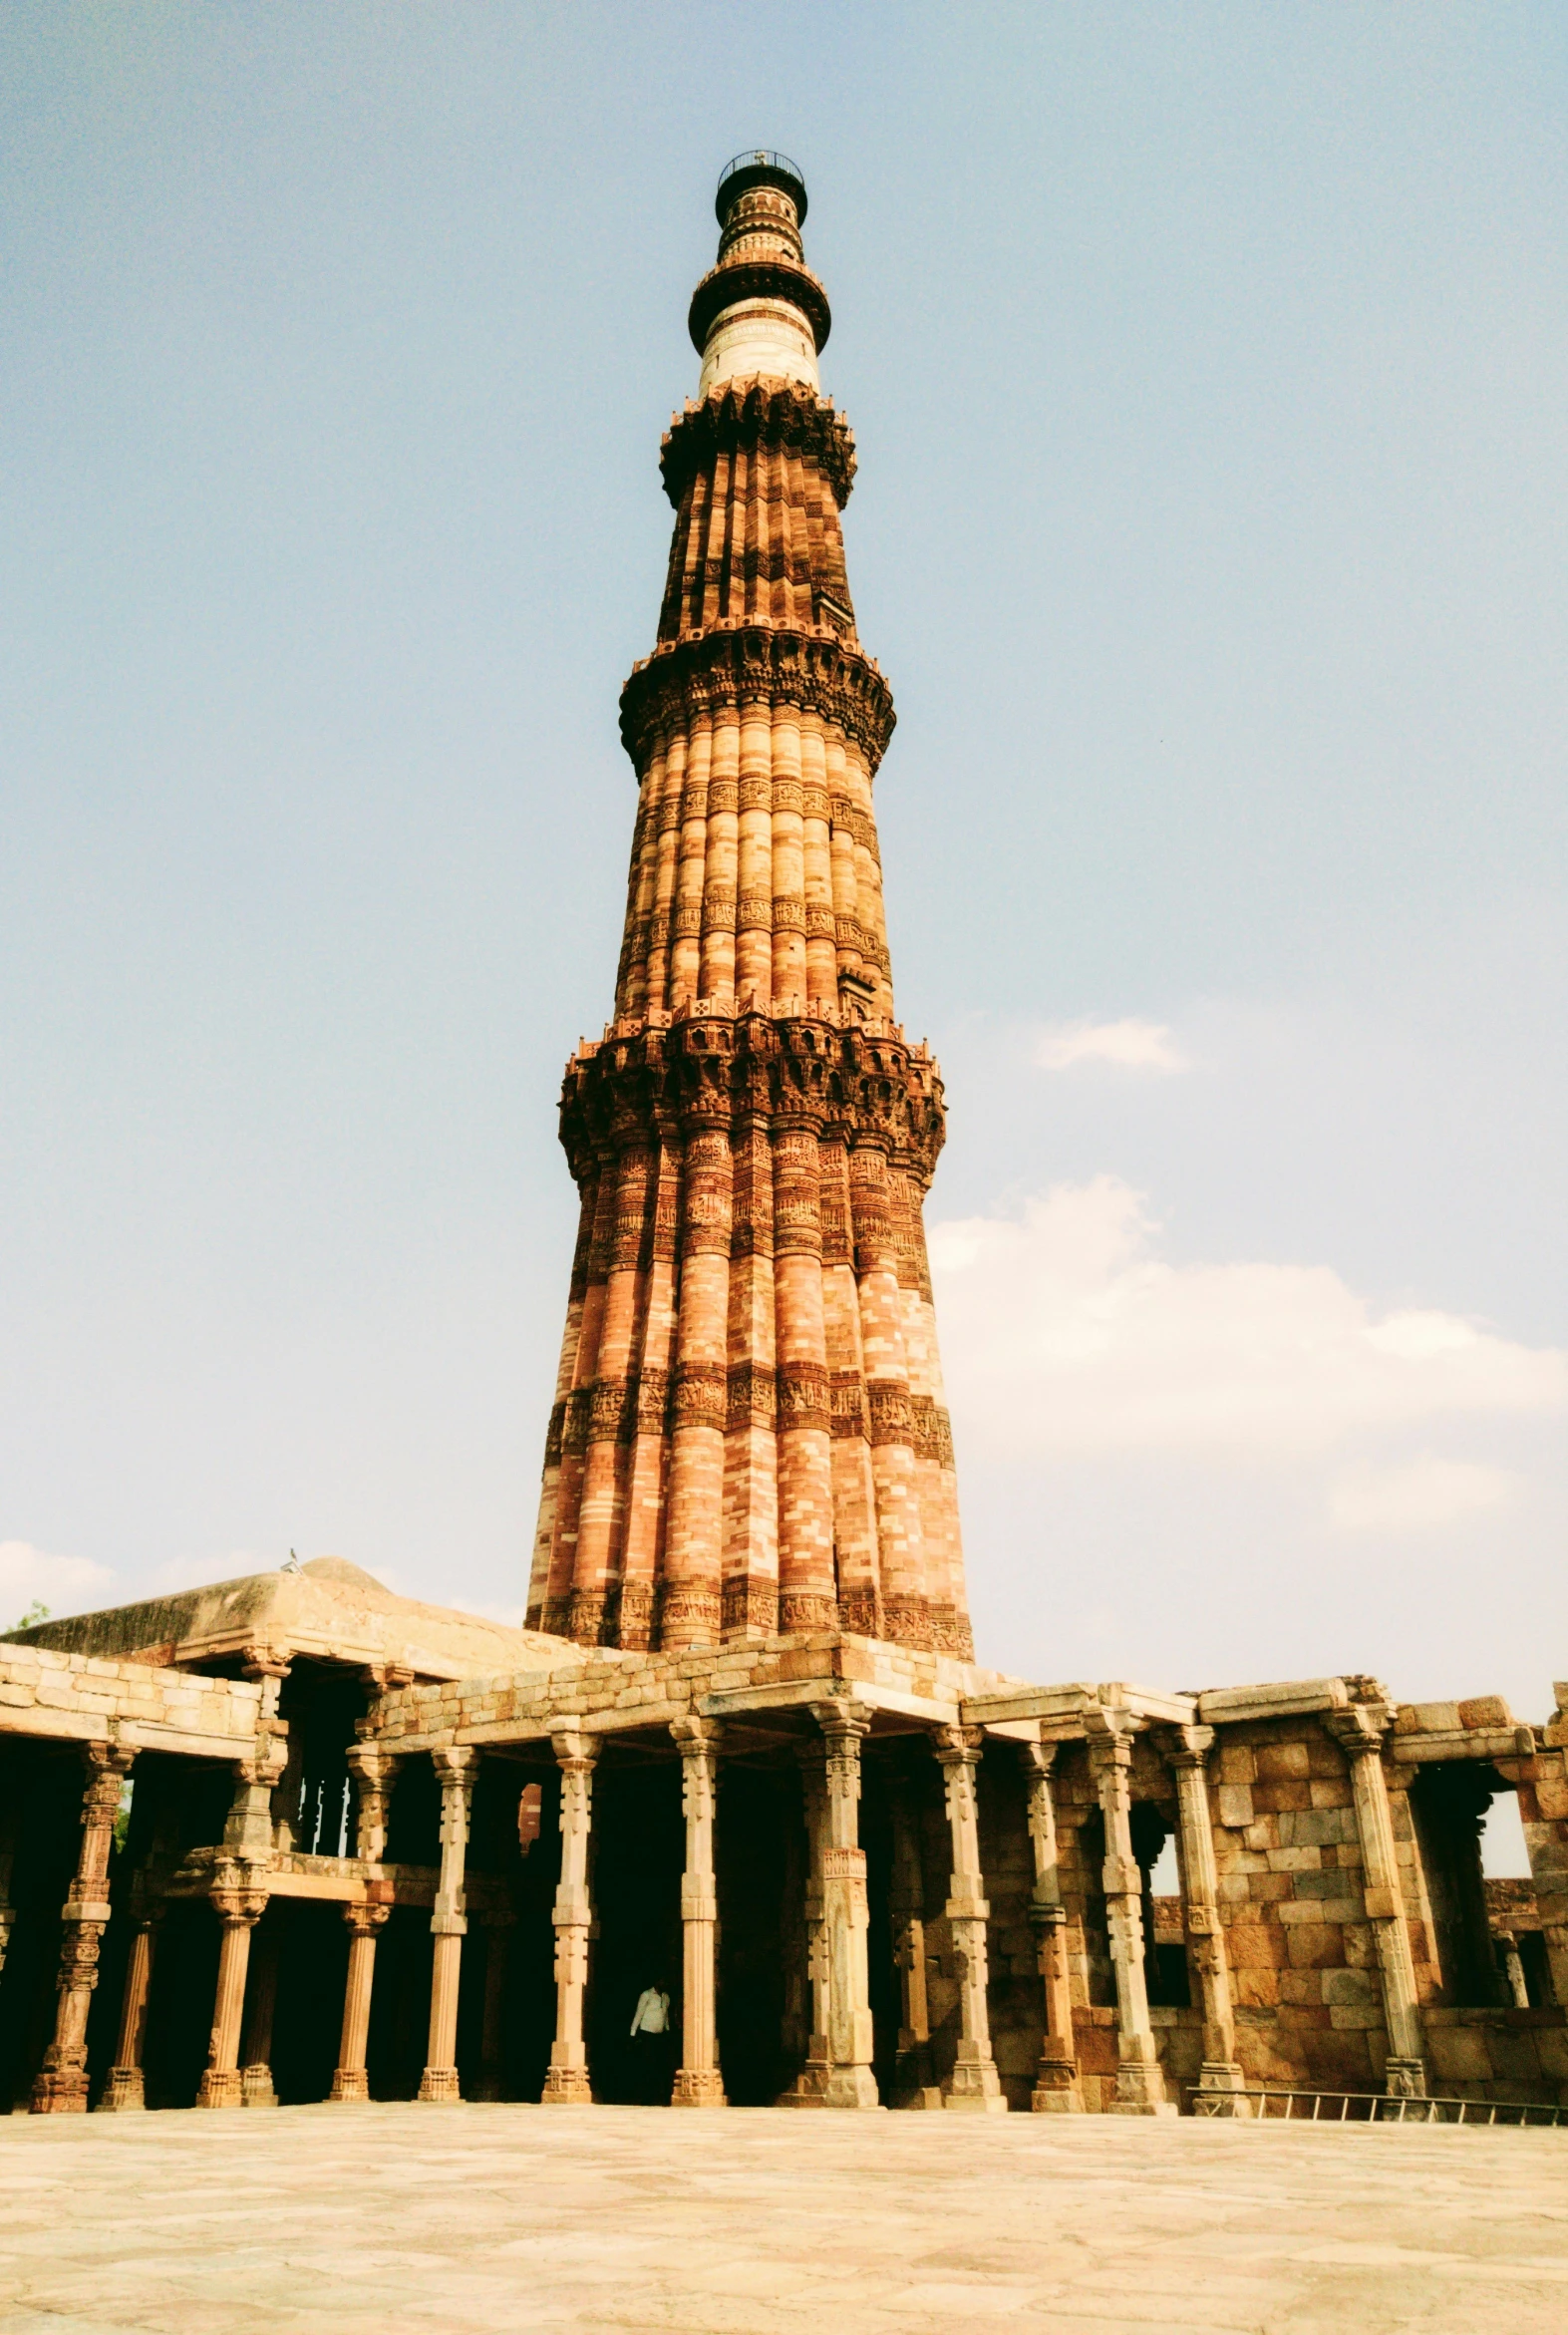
x=375, y=2220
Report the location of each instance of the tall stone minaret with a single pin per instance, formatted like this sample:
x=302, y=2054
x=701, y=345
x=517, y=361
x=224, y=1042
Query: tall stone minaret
x=749, y=1435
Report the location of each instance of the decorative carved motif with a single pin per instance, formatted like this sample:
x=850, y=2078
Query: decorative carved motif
x=732, y=667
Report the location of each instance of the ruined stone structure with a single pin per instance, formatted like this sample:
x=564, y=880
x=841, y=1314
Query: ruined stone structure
x=291, y=1838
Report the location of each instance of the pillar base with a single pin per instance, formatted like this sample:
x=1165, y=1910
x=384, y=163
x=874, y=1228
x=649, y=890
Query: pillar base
x=850, y=2086
x=567, y=2087
x=918, y=2095
x=1140, y=2091
x=810, y=2089
x=698, y=2088
x=975, y=2087
x=349, y=2084
x=126, y=2088
x=1057, y=2090
x=256, y=2086
x=1405, y=2078
x=1219, y=2091
x=439, y=2083
x=60, y=2092
x=222, y=2088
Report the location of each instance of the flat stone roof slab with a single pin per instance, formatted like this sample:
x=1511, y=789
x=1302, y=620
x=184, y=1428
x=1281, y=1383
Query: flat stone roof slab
x=377, y=2219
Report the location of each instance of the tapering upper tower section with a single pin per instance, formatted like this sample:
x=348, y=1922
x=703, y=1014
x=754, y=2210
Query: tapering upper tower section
x=749, y=1435
x=760, y=309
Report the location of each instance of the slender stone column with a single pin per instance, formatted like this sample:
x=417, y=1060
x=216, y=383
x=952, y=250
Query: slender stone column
x=1056, y=2089
x=846, y=1916
x=61, y=2087
x=239, y=1904
x=1220, y=2078
x=567, y=2080
x=456, y=1771
x=255, y=2056
x=498, y=1927
x=698, y=2083
x=973, y=2082
x=1359, y=1732
x=913, y=2084
x=1140, y=2087
x=366, y=1922
x=126, y=2085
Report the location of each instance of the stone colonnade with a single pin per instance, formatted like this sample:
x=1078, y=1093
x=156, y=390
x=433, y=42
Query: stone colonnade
x=836, y=2070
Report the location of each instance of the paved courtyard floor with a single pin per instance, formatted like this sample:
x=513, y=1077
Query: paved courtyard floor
x=377, y=2219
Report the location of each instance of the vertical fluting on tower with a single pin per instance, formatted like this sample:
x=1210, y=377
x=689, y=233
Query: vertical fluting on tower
x=749, y=1434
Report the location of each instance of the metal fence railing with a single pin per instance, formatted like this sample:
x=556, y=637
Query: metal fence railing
x=1289, y=2105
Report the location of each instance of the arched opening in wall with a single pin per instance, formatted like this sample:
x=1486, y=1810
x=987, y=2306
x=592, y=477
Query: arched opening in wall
x=180, y=2002
x=637, y=1854
x=40, y=1790
x=1164, y=1944
x=312, y=1969
x=756, y=1859
x=1486, y=1940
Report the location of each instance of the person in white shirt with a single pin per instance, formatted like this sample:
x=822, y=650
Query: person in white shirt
x=650, y=2049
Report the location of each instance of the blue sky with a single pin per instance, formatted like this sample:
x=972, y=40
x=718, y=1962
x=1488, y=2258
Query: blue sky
x=1206, y=366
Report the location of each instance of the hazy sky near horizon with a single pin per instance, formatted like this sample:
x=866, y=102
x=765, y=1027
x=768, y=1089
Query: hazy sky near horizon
x=1206, y=366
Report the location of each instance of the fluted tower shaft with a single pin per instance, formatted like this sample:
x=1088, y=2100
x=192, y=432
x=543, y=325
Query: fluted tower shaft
x=749, y=1435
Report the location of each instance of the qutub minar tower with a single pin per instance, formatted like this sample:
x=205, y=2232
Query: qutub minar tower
x=749, y=1435
x=293, y=1838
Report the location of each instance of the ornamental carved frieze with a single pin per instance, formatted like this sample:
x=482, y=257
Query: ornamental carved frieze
x=709, y=1080
x=755, y=412
x=752, y=663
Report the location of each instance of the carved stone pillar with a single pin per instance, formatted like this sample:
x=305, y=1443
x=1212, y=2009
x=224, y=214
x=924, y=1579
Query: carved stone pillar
x=62, y=2081
x=366, y=1922
x=239, y=1899
x=914, y=2085
x=846, y=1916
x=456, y=1770
x=567, y=2080
x=256, y=2055
x=375, y=1774
x=810, y=2089
x=1057, y=2090
x=973, y=2082
x=126, y=2085
x=1359, y=1732
x=698, y=2083
x=1140, y=2087
x=1220, y=2078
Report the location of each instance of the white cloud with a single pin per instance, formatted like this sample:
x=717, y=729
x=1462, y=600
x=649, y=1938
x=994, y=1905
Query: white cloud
x=66, y=1584
x=1129, y=1044
x=1420, y=1496
x=1067, y=1335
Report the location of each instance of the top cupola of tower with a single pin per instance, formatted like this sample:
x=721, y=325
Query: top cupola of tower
x=760, y=310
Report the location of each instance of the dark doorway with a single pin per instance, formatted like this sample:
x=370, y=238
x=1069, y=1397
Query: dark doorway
x=638, y=1859
x=313, y=1961
x=180, y=2002
x=399, y=2005
x=756, y=1807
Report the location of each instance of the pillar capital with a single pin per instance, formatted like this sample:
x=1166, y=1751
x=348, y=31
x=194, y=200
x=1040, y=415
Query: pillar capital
x=365, y=1920
x=577, y=1753
x=694, y=1736
x=455, y=1765
x=1359, y=1730
x=1184, y=1747
x=958, y=1747
x=842, y=1720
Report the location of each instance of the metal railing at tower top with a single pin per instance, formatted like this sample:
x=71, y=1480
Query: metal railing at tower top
x=760, y=157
